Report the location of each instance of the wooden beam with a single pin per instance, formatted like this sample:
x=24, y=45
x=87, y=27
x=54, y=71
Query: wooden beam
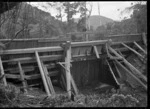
x=17, y=70
x=31, y=50
x=144, y=37
x=64, y=82
x=133, y=50
x=132, y=68
x=140, y=48
x=12, y=76
x=33, y=76
x=112, y=72
x=22, y=77
x=49, y=82
x=67, y=66
x=74, y=85
x=2, y=72
x=96, y=52
x=43, y=58
x=117, y=70
x=113, y=51
x=89, y=43
x=127, y=71
x=42, y=73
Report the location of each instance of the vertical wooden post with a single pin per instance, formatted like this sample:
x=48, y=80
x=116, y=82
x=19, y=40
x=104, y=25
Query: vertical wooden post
x=144, y=39
x=2, y=72
x=42, y=73
x=67, y=66
x=87, y=37
x=22, y=77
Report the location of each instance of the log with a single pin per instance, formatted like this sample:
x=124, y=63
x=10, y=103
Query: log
x=49, y=82
x=31, y=50
x=132, y=68
x=2, y=72
x=133, y=50
x=22, y=77
x=96, y=52
x=127, y=71
x=140, y=48
x=42, y=74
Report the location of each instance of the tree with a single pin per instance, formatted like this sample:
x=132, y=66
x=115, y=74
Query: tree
x=139, y=15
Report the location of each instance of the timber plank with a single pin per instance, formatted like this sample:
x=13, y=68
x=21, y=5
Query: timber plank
x=31, y=50
x=43, y=58
x=42, y=74
x=50, y=85
x=22, y=76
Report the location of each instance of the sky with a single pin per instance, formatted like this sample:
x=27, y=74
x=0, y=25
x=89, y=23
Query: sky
x=107, y=9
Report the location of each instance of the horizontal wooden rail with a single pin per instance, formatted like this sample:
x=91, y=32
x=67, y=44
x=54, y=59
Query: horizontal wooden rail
x=48, y=57
x=88, y=43
x=33, y=76
x=31, y=50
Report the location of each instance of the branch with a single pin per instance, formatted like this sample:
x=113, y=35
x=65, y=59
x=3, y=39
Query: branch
x=14, y=36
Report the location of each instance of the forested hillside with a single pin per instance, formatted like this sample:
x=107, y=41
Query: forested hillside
x=30, y=22
x=26, y=21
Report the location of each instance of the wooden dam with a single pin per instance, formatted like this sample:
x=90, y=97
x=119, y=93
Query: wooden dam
x=72, y=64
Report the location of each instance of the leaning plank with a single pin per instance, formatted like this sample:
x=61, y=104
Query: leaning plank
x=129, y=65
x=112, y=72
x=140, y=48
x=127, y=71
x=64, y=82
x=50, y=85
x=42, y=73
x=113, y=51
x=96, y=52
x=119, y=73
x=2, y=72
x=74, y=85
x=22, y=76
x=31, y=50
x=132, y=50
